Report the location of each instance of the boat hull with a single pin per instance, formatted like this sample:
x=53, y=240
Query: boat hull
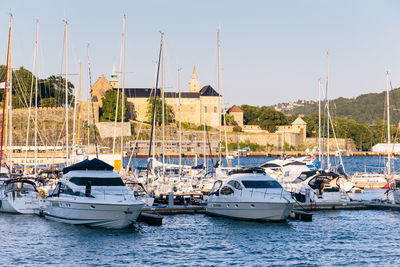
x=259, y=211
x=112, y=216
x=19, y=205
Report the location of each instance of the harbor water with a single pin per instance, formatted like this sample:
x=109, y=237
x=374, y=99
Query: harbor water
x=337, y=237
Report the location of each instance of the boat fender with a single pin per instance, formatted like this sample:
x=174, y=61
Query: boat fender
x=42, y=193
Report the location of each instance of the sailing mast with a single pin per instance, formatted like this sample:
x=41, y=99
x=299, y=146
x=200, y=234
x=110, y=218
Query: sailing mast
x=219, y=95
x=388, y=121
x=79, y=103
x=180, y=123
x=91, y=101
x=30, y=96
x=123, y=93
x=74, y=124
x=36, y=91
x=319, y=119
x=88, y=108
x=154, y=111
x=5, y=87
x=163, y=104
x=327, y=108
x=204, y=137
x=66, y=92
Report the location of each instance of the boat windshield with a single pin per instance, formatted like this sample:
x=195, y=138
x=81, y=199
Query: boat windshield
x=261, y=184
x=83, y=181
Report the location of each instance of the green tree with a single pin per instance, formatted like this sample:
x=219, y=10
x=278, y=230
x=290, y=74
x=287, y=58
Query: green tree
x=48, y=102
x=24, y=81
x=169, y=113
x=109, y=103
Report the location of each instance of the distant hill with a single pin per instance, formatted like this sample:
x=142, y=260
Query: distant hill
x=365, y=108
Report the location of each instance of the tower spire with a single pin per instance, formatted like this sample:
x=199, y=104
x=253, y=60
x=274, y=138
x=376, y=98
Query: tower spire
x=194, y=83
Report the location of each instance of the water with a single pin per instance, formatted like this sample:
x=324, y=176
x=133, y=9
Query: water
x=332, y=238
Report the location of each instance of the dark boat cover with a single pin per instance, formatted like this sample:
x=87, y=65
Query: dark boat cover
x=92, y=165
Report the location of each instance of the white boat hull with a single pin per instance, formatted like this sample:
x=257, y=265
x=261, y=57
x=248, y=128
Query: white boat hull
x=20, y=205
x=112, y=216
x=260, y=211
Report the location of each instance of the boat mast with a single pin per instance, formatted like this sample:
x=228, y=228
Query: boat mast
x=154, y=112
x=88, y=108
x=319, y=119
x=79, y=102
x=5, y=87
x=30, y=96
x=388, y=121
x=66, y=92
x=163, y=105
x=36, y=90
x=10, y=147
x=204, y=136
x=327, y=108
x=180, y=123
x=219, y=97
x=91, y=100
x=123, y=94
x=74, y=128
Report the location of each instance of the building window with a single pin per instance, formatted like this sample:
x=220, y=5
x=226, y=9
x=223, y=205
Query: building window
x=205, y=109
x=215, y=109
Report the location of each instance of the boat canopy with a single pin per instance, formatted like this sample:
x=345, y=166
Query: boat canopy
x=92, y=165
x=247, y=170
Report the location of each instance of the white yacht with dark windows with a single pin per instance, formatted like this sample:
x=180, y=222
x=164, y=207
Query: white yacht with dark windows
x=250, y=194
x=91, y=193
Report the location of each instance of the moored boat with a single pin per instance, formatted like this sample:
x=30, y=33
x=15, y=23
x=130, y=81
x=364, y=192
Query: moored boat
x=250, y=194
x=91, y=193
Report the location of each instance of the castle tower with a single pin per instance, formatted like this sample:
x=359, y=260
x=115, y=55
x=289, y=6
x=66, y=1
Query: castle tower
x=114, y=79
x=194, y=83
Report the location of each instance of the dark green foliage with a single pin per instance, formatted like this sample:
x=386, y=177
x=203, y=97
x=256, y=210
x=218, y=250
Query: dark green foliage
x=109, y=103
x=365, y=108
x=48, y=102
x=237, y=129
x=242, y=145
x=23, y=80
x=265, y=117
x=169, y=114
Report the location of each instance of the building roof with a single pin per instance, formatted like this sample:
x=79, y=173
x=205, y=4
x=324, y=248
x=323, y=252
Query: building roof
x=146, y=93
x=234, y=108
x=299, y=121
x=208, y=91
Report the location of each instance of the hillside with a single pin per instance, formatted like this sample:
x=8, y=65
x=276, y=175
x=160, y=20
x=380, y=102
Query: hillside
x=365, y=108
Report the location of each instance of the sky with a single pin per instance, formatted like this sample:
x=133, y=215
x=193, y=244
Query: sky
x=271, y=51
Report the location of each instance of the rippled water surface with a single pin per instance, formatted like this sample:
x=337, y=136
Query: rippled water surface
x=332, y=238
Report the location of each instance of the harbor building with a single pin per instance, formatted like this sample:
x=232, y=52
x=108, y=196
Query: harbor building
x=198, y=106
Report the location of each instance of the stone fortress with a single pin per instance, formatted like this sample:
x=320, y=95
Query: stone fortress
x=197, y=105
x=201, y=105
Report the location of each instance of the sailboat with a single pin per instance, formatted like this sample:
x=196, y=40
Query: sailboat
x=17, y=195
x=384, y=176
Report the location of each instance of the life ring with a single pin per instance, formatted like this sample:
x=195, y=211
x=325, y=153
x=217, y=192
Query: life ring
x=42, y=193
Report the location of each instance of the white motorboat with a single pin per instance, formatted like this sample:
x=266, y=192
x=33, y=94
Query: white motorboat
x=91, y=193
x=319, y=186
x=250, y=194
x=19, y=195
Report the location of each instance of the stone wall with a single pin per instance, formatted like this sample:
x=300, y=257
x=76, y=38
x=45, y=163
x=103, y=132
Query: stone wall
x=106, y=129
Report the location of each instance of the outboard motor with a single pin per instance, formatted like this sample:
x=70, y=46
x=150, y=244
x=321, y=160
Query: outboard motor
x=88, y=190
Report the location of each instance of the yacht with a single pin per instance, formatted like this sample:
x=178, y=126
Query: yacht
x=319, y=186
x=250, y=194
x=90, y=193
x=18, y=195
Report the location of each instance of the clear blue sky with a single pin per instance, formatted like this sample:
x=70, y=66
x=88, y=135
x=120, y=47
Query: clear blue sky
x=272, y=51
